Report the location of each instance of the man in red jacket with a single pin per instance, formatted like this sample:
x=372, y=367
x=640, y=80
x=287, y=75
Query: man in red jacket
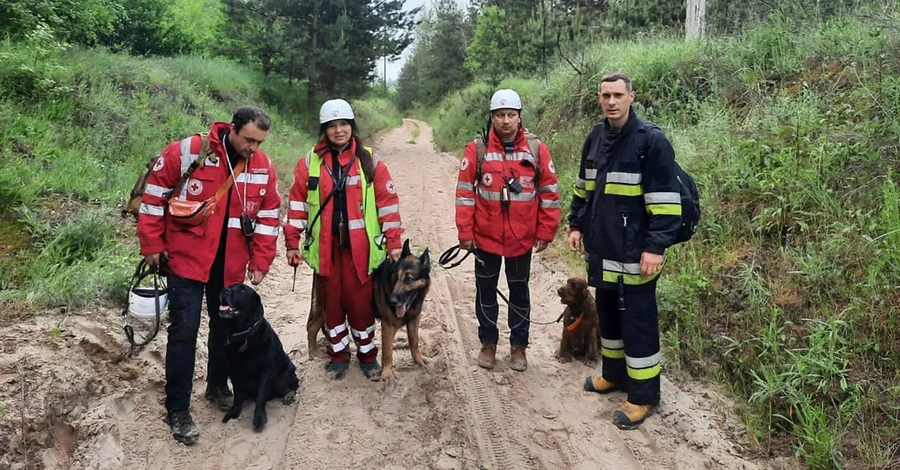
x=237, y=239
x=505, y=206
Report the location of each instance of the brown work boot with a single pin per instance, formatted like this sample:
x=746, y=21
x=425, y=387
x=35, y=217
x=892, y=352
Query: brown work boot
x=517, y=359
x=486, y=358
x=630, y=416
x=598, y=384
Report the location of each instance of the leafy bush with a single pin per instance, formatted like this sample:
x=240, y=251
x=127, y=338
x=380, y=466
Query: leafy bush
x=71, y=156
x=788, y=292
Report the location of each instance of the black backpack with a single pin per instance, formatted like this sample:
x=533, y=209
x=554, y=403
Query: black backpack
x=690, y=198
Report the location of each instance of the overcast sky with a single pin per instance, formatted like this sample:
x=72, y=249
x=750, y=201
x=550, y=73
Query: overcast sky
x=393, y=68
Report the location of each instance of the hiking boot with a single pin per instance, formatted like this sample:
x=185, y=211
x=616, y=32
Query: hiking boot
x=630, y=416
x=372, y=370
x=517, y=359
x=182, y=426
x=336, y=370
x=220, y=397
x=598, y=384
x=487, y=356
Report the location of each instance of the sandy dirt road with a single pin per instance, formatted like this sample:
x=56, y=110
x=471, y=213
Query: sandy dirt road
x=87, y=405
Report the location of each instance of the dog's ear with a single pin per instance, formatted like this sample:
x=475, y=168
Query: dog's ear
x=425, y=259
x=406, y=251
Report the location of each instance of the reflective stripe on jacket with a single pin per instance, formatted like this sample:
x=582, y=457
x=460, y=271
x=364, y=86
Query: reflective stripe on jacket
x=380, y=218
x=628, y=207
x=192, y=249
x=532, y=214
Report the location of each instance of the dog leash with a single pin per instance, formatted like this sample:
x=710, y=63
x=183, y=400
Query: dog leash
x=446, y=262
x=451, y=253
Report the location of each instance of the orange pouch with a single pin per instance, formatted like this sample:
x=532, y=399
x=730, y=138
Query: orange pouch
x=191, y=212
x=196, y=212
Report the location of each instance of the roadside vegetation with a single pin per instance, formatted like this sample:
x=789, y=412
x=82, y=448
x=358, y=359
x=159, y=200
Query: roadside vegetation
x=90, y=90
x=788, y=293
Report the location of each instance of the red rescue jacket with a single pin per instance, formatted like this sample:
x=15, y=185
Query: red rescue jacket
x=386, y=200
x=533, y=214
x=192, y=249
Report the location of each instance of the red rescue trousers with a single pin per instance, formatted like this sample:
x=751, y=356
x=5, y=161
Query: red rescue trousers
x=346, y=300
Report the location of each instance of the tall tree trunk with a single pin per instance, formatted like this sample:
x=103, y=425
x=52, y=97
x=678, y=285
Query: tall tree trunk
x=312, y=65
x=695, y=22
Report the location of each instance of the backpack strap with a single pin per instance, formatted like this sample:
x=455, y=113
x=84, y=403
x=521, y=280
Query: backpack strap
x=646, y=127
x=480, y=150
x=200, y=162
x=534, y=146
x=205, y=150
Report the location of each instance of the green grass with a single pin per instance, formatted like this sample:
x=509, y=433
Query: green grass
x=80, y=127
x=375, y=115
x=788, y=293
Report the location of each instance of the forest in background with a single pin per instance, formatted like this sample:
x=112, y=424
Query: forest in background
x=785, y=112
x=786, y=115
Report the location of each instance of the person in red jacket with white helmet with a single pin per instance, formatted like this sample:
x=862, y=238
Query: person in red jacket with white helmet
x=344, y=202
x=504, y=209
x=238, y=238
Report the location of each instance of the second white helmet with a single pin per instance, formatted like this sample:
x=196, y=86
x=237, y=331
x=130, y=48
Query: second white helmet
x=335, y=109
x=506, y=99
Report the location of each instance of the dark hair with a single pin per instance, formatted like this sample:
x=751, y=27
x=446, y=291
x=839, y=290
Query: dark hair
x=615, y=77
x=365, y=158
x=248, y=114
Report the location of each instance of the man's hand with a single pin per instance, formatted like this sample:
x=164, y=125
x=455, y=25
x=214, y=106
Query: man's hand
x=395, y=254
x=539, y=246
x=155, y=259
x=294, y=257
x=256, y=277
x=466, y=245
x=574, y=241
x=650, y=263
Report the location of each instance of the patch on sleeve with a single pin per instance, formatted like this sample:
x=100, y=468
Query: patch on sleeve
x=550, y=167
x=464, y=164
x=160, y=163
x=390, y=187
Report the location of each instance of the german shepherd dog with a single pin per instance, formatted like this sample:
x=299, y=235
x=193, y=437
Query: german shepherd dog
x=259, y=368
x=581, y=323
x=399, y=292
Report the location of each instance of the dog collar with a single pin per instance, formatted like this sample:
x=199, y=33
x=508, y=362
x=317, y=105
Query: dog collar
x=243, y=334
x=574, y=326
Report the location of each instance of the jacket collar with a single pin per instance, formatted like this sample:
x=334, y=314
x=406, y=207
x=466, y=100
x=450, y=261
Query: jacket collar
x=520, y=142
x=323, y=147
x=633, y=123
x=215, y=140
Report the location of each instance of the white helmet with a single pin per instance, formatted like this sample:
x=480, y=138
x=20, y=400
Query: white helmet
x=142, y=302
x=506, y=99
x=335, y=109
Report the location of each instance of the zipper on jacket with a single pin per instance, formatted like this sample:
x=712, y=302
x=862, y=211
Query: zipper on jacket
x=621, y=279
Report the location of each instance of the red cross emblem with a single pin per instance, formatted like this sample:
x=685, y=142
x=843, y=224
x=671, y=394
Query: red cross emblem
x=195, y=187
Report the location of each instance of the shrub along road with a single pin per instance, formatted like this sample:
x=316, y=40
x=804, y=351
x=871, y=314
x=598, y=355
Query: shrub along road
x=87, y=404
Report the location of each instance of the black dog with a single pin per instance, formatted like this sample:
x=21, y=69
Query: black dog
x=256, y=361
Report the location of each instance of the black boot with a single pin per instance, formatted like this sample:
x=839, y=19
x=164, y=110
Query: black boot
x=372, y=370
x=336, y=370
x=221, y=397
x=182, y=426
